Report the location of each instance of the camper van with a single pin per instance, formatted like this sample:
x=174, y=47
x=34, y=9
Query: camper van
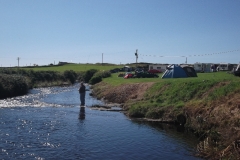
x=225, y=67
x=160, y=67
x=236, y=72
x=202, y=67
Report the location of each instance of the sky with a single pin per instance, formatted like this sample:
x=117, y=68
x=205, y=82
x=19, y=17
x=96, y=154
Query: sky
x=110, y=31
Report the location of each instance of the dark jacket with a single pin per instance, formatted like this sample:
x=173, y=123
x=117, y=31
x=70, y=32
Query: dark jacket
x=82, y=89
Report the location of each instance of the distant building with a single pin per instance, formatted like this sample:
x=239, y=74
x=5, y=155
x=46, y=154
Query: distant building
x=62, y=63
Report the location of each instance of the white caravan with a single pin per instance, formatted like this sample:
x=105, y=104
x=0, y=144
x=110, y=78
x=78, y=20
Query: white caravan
x=161, y=67
x=202, y=67
x=225, y=67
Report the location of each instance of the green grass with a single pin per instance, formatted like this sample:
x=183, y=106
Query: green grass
x=76, y=67
x=202, y=77
x=177, y=92
x=115, y=80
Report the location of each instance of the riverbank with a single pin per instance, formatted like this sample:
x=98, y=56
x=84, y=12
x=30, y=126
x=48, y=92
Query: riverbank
x=216, y=121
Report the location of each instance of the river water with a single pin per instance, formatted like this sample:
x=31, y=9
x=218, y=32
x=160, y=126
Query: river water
x=48, y=124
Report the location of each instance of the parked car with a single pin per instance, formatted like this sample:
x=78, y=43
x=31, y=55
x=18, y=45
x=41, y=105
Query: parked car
x=128, y=75
x=146, y=75
x=154, y=71
x=114, y=70
x=139, y=70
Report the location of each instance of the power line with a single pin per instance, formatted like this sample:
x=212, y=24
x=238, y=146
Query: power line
x=196, y=55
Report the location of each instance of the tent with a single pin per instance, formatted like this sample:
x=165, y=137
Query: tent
x=190, y=71
x=176, y=71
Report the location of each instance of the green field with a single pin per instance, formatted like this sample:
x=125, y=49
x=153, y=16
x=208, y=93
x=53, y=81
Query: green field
x=76, y=67
x=216, y=76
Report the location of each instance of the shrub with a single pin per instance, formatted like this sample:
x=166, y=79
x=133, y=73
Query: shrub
x=103, y=74
x=95, y=79
x=12, y=85
x=80, y=75
x=89, y=74
x=70, y=75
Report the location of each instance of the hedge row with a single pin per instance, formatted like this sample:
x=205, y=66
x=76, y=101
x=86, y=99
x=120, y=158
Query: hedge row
x=13, y=85
x=17, y=82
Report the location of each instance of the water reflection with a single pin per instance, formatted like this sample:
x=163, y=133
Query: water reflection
x=179, y=134
x=82, y=113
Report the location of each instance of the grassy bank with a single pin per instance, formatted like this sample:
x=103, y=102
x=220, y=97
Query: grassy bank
x=208, y=105
x=208, y=87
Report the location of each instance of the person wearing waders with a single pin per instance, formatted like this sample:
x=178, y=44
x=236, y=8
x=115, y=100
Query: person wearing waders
x=82, y=91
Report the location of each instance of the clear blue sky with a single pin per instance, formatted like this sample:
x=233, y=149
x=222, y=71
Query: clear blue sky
x=79, y=31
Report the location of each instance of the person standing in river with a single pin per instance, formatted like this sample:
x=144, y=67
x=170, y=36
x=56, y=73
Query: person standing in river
x=82, y=92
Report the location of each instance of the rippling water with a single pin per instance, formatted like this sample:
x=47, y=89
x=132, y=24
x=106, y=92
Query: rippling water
x=47, y=124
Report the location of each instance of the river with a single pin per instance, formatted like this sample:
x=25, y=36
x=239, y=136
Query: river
x=47, y=124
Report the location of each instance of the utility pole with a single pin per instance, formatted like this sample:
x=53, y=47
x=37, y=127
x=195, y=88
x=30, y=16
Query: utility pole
x=102, y=58
x=18, y=61
x=136, y=54
x=186, y=60
x=18, y=64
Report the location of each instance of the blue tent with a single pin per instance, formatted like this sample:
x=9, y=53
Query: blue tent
x=174, y=71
